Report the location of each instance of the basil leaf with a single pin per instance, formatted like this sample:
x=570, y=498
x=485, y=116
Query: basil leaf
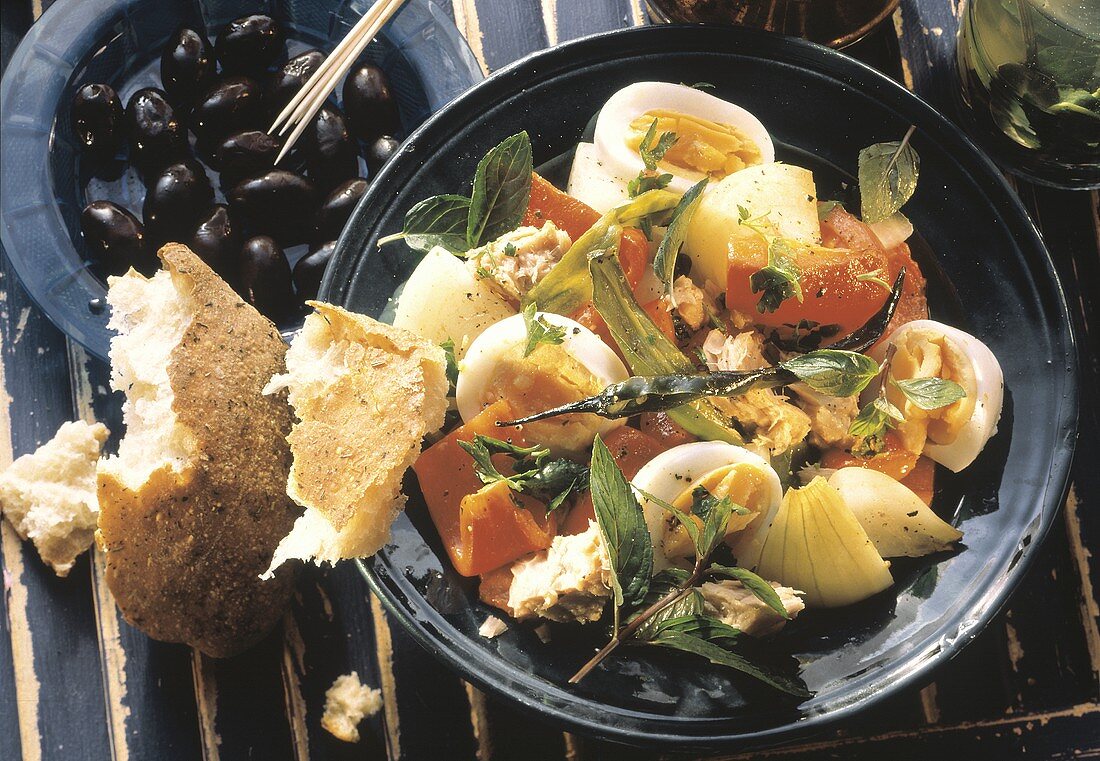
x=715, y=653
x=779, y=280
x=502, y=190
x=448, y=348
x=539, y=331
x=887, y=178
x=930, y=393
x=692, y=525
x=833, y=372
x=568, y=286
x=705, y=627
x=664, y=263
x=622, y=527
x=647, y=350
x=758, y=586
x=436, y=221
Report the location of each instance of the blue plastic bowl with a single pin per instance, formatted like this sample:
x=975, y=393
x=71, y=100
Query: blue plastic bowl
x=44, y=183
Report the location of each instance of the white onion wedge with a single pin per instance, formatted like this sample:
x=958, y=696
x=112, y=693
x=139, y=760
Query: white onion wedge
x=817, y=545
x=897, y=521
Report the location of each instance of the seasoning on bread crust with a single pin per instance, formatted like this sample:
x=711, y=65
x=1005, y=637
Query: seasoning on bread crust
x=194, y=504
x=365, y=395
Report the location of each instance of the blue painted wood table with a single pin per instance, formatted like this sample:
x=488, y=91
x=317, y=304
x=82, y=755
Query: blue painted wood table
x=77, y=683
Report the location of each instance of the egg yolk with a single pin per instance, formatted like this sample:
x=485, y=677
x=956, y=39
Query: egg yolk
x=549, y=377
x=702, y=148
x=745, y=485
x=926, y=354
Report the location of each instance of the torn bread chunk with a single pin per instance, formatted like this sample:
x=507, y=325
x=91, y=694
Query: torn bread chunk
x=365, y=395
x=735, y=605
x=49, y=495
x=569, y=581
x=194, y=503
x=347, y=702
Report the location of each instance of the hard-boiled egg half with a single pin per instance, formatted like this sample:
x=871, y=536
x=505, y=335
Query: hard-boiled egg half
x=724, y=470
x=552, y=374
x=953, y=435
x=714, y=139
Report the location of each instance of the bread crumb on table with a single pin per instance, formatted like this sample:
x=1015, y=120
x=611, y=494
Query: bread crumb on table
x=50, y=495
x=347, y=702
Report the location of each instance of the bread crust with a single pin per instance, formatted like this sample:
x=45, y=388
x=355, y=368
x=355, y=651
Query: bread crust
x=185, y=551
x=353, y=443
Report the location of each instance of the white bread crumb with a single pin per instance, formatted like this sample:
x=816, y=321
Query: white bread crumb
x=50, y=496
x=492, y=627
x=347, y=702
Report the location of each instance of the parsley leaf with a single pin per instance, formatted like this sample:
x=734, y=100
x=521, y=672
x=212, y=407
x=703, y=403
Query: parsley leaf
x=653, y=153
x=539, y=331
x=550, y=481
x=779, y=280
x=448, y=348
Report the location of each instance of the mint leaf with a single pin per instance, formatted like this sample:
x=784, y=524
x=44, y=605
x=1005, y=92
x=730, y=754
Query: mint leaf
x=755, y=584
x=870, y=426
x=664, y=263
x=887, y=177
x=930, y=393
x=539, y=331
x=502, y=189
x=622, y=528
x=435, y=221
x=833, y=372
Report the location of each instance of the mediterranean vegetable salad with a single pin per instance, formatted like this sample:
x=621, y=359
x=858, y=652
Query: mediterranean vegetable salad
x=691, y=398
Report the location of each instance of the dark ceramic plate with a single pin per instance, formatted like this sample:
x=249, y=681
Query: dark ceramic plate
x=990, y=275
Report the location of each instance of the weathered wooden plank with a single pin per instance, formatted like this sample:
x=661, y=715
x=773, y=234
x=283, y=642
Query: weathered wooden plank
x=518, y=26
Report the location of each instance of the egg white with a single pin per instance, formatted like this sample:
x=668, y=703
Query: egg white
x=670, y=473
x=989, y=382
x=614, y=158
x=477, y=368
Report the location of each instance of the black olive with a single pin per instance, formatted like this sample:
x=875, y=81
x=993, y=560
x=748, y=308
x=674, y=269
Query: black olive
x=369, y=103
x=331, y=152
x=265, y=278
x=97, y=119
x=216, y=242
x=310, y=269
x=157, y=138
x=174, y=201
x=187, y=66
x=380, y=151
x=334, y=212
x=288, y=80
x=250, y=43
x=278, y=203
x=228, y=106
x=245, y=154
x=116, y=239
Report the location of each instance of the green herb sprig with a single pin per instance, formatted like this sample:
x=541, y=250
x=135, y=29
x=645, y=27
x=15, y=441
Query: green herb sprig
x=664, y=262
x=780, y=278
x=552, y=481
x=667, y=610
x=501, y=191
x=539, y=331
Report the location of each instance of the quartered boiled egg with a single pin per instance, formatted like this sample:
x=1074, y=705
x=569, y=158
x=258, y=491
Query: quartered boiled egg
x=552, y=374
x=953, y=435
x=714, y=139
x=724, y=470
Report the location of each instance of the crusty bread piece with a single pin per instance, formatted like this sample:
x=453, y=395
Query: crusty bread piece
x=347, y=702
x=365, y=394
x=49, y=495
x=194, y=503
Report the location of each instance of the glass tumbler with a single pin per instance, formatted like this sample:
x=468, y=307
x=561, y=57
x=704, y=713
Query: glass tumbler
x=1030, y=86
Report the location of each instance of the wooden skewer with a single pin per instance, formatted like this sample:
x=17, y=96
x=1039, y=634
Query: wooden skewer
x=308, y=100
